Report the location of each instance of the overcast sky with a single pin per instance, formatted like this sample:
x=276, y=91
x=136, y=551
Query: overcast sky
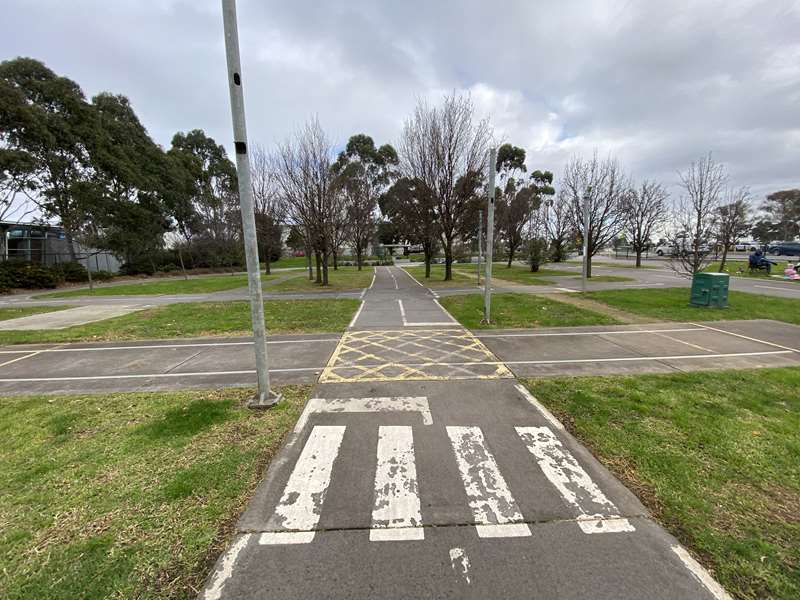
x=656, y=83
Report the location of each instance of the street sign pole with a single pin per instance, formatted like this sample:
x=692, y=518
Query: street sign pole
x=480, y=243
x=585, y=274
x=487, y=283
x=265, y=398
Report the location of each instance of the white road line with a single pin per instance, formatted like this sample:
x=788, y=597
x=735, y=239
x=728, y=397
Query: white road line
x=684, y=342
x=638, y=358
x=787, y=288
x=153, y=375
x=574, y=484
x=573, y=333
x=355, y=316
x=703, y=576
x=538, y=406
x=563, y=289
x=396, y=510
x=298, y=510
x=169, y=346
x=365, y=405
x=460, y=563
x=223, y=574
x=747, y=337
x=374, y=274
x=402, y=311
x=19, y=358
x=493, y=507
x=444, y=310
x=393, y=278
x=637, y=285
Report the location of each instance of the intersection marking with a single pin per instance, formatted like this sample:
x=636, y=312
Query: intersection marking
x=365, y=405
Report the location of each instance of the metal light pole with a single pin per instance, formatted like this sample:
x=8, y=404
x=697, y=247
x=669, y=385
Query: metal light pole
x=585, y=274
x=487, y=289
x=480, y=243
x=265, y=396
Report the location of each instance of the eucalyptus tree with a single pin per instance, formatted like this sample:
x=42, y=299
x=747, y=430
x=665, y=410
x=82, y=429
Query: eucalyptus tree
x=411, y=206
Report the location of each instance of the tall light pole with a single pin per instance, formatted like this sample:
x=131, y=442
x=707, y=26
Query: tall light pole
x=585, y=274
x=265, y=397
x=480, y=243
x=487, y=283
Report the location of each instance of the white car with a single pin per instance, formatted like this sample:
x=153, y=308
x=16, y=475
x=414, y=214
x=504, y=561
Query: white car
x=667, y=250
x=746, y=246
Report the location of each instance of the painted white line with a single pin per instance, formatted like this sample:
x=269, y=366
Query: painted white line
x=396, y=510
x=402, y=311
x=787, y=288
x=703, y=576
x=460, y=563
x=19, y=358
x=538, y=406
x=414, y=278
x=355, y=316
x=488, y=494
x=170, y=346
x=299, y=508
x=365, y=405
x=574, y=484
x=575, y=333
x=154, y=375
x=747, y=337
x=374, y=274
x=638, y=285
x=640, y=358
x=684, y=342
x=563, y=289
x=393, y=278
x=223, y=574
x=444, y=310
x=430, y=323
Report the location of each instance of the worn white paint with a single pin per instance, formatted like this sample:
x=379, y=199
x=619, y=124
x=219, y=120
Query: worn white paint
x=580, y=333
x=19, y=358
x=703, y=576
x=573, y=482
x=645, y=358
x=538, y=406
x=153, y=375
x=746, y=337
x=366, y=405
x=333, y=339
x=402, y=311
x=355, y=316
x=214, y=588
x=444, y=310
x=396, y=510
x=393, y=278
x=487, y=492
x=460, y=563
x=298, y=510
x=684, y=342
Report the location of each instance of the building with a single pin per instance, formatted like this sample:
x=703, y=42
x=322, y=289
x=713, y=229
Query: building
x=48, y=245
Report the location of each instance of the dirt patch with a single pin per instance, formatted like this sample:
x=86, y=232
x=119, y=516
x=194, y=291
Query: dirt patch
x=604, y=309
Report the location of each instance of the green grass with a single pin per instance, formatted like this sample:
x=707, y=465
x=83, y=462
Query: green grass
x=520, y=311
x=127, y=495
x=520, y=274
x=195, y=319
x=740, y=269
x=463, y=277
x=714, y=456
x=25, y=311
x=344, y=278
x=287, y=262
x=194, y=285
x=672, y=304
x=614, y=265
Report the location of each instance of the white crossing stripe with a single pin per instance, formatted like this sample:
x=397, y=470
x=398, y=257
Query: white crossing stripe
x=493, y=507
x=365, y=405
x=396, y=512
x=703, y=576
x=298, y=510
x=596, y=513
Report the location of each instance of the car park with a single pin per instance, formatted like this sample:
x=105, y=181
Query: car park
x=785, y=248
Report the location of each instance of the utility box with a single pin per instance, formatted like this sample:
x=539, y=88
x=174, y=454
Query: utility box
x=710, y=289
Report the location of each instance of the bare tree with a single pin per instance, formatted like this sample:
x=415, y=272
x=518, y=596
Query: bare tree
x=643, y=210
x=558, y=224
x=694, y=215
x=410, y=205
x=304, y=177
x=605, y=186
x=732, y=220
x=446, y=148
x=270, y=208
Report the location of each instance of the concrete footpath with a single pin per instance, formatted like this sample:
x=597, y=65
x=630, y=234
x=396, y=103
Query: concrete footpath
x=404, y=478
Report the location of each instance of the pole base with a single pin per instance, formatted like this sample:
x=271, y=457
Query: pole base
x=265, y=400
x=485, y=322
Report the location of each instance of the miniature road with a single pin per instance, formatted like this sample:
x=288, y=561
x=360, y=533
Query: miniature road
x=421, y=469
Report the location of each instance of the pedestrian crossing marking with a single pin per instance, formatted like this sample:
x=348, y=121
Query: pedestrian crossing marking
x=488, y=494
x=406, y=355
x=596, y=513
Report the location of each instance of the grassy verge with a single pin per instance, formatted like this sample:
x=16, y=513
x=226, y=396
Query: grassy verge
x=463, y=277
x=672, y=304
x=741, y=269
x=127, y=495
x=714, y=456
x=520, y=311
x=344, y=278
x=25, y=311
x=195, y=319
x=614, y=265
x=520, y=274
x=195, y=285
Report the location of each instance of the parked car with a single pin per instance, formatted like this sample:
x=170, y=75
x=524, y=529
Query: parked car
x=785, y=248
x=668, y=250
x=746, y=246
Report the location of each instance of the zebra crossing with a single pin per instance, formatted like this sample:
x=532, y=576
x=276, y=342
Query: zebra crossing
x=397, y=513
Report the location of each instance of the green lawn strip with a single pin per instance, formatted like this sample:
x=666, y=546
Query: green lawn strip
x=713, y=455
x=614, y=265
x=520, y=274
x=194, y=285
x=463, y=276
x=740, y=269
x=127, y=495
x=343, y=278
x=195, y=319
x=24, y=311
x=520, y=311
x=672, y=304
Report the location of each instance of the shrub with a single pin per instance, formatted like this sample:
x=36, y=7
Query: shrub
x=28, y=275
x=71, y=271
x=102, y=276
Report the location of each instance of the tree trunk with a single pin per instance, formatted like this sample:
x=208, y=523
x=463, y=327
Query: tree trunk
x=319, y=266
x=308, y=264
x=325, y=269
x=267, y=269
x=448, y=260
x=724, y=258
x=638, y=258
x=358, y=257
x=510, y=256
x=589, y=267
x=180, y=258
x=335, y=260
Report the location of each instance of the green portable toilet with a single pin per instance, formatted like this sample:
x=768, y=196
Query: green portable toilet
x=710, y=289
